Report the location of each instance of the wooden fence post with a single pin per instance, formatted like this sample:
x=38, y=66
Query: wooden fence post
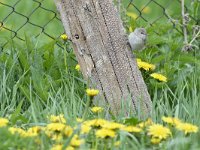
x=101, y=47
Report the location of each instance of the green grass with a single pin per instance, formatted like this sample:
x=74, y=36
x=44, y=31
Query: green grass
x=35, y=83
x=38, y=79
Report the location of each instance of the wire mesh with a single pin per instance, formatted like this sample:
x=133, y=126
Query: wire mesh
x=31, y=18
x=40, y=19
x=150, y=12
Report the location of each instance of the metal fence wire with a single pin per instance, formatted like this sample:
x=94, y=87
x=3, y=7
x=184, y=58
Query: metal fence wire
x=40, y=19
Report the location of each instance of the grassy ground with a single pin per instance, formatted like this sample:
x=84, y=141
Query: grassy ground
x=39, y=80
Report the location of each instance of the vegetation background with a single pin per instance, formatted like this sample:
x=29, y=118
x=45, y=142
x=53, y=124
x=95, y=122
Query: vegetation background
x=39, y=79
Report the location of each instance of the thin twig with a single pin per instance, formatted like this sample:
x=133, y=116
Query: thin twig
x=184, y=23
x=119, y=4
x=196, y=36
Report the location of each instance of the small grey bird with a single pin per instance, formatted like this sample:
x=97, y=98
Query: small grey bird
x=137, y=39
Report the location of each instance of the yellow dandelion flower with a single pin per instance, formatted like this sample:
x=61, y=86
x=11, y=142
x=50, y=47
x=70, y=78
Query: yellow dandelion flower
x=60, y=147
x=3, y=122
x=57, y=119
x=132, y=129
x=146, y=123
x=144, y=65
x=56, y=131
x=132, y=15
x=78, y=67
x=95, y=122
x=170, y=120
x=57, y=147
x=55, y=127
x=76, y=142
x=14, y=130
x=104, y=133
x=117, y=143
x=155, y=140
x=49, y=133
x=79, y=120
x=70, y=148
x=159, y=77
x=21, y=132
x=56, y=137
x=159, y=131
x=29, y=134
x=96, y=109
x=187, y=128
x=68, y=131
x=64, y=37
x=92, y=92
x=34, y=131
x=85, y=129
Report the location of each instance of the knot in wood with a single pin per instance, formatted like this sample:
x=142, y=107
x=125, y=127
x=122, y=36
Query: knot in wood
x=76, y=36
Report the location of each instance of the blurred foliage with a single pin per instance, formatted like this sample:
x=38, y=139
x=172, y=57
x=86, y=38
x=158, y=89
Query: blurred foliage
x=35, y=66
x=38, y=69
x=38, y=78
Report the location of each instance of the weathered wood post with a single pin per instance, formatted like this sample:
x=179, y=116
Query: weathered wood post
x=102, y=50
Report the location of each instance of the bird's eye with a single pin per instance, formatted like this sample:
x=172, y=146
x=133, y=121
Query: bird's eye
x=143, y=32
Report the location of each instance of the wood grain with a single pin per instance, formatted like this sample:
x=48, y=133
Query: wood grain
x=104, y=54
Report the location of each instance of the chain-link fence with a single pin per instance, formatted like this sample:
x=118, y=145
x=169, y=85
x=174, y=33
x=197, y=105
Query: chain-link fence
x=40, y=19
x=34, y=18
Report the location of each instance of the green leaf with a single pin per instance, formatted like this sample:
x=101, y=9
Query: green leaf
x=186, y=58
x=16, y=115
x=131, y=121
x=23, y=60
x=29, y=44
x=40, y=85
x=25, y=91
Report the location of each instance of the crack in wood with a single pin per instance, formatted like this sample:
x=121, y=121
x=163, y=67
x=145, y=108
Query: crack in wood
x=112, y=48
x=115, y=59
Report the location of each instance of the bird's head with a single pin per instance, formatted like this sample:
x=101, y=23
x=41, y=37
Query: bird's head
x=141, y=32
